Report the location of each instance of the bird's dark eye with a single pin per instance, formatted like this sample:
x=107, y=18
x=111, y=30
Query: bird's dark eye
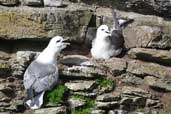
x=102, y=29
x=58, y=41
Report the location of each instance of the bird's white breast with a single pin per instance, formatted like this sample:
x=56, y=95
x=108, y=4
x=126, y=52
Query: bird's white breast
x=100, y=49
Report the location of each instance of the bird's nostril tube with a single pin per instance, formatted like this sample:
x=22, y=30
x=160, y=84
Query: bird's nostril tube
x=107, y=32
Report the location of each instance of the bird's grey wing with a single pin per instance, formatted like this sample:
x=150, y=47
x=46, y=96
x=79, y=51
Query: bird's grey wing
x=116, y=25
x=40, y=77
x=117, y=39
x=29, y=77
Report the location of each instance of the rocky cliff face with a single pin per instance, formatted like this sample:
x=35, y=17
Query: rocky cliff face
x=138, y=81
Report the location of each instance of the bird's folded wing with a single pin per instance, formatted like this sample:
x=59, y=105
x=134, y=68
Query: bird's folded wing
x=117, y=39
x=38, y=72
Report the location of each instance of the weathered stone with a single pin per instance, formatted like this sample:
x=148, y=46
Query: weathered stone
x=111, y=112
x=74, y=103
x=52, y=3
x=115, y=65
x=33, y=2
x=126, y=101
x=153, y=55
x=148, y=7
x=2, y=81
x=74, y=60
x=107, y=105
x=138, y=112
x=140, y=36
x=150, y=80
x=86, y=94
x=163, y=42
x=4, y=97
x=108, y=97
x=163, y=84
x=139, y=101
x=129, y=78
x=159, y=7
x=150, y=102
x=19, y=62
x=5, y=68
x=4, y=104
x=98, y=111
x=54, y=110
x=93, y=68
x=117, y=112
x=5, y=112
x=106, y=89
x=148, y=69
x=133, y=91
x=2, y=86
x=9, y=2
x=27, y=56
x=4, y=55
x=15, y=105
x=81, y=72
x=44, y=22
x=81, y=85
x=18, y=67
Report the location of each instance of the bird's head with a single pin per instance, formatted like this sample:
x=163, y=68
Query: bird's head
x=58, y=43
x=103, y=31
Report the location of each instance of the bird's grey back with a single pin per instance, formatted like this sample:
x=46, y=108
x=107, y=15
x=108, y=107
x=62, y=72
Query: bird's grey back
x=40, y=69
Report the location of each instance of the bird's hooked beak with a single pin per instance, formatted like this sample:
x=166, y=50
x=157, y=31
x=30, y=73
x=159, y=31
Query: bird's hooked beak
x=64, y=41
x=108, y=32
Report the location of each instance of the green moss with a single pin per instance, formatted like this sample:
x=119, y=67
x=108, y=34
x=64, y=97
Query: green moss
x=164, y=112
x=87, y=108
x=140, y=110
x=4, y=66
x=105, y=82
x=77, y=97
x=55, y=96
x=82, y=111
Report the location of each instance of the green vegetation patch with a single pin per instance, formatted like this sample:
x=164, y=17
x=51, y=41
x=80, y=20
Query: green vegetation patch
x=55, y=96
x=164, y=112
x=4, y=66
x=87, y=108
x=105, y=82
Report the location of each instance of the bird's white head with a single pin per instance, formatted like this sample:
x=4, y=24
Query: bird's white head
x=57, y=44
x=103, y=32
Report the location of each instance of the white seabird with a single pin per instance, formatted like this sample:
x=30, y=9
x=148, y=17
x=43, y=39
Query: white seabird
x=42, y=73
x=108, y=43
x=101, y=44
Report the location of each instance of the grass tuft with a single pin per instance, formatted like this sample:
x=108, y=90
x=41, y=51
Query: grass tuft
x=105, y=83
x=87, y=108
x=55, y=96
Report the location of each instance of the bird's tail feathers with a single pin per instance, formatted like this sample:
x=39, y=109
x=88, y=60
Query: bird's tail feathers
x=30, y=93
x=119, y=23
x=35, y=102
x=124, y=22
